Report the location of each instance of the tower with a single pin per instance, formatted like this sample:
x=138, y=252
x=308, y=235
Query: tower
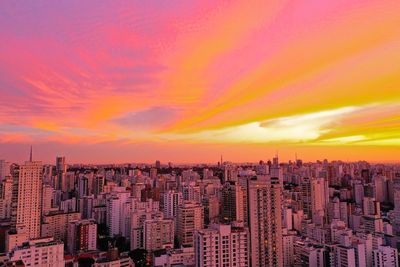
x=265, y=221
x=61, y=169
x=27, y=191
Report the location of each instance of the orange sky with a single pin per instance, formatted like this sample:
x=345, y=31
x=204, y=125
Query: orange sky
x=186, y=82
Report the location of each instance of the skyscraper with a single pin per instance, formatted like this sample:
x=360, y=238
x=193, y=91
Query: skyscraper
x=82, y=236
x=61, y=169
x=4, y=169
x=28, y=193
x=232, y=202
x=265, y=222
x=190, y=218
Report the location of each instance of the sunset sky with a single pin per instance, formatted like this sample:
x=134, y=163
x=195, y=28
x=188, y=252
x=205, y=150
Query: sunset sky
x=187, y=81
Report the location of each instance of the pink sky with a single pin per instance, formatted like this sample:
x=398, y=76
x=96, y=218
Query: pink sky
x=120, y=81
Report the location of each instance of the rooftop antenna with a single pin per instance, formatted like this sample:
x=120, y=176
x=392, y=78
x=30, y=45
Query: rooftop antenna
x=30, y=155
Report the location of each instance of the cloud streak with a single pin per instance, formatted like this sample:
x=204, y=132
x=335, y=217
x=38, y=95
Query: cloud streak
x=221, y=73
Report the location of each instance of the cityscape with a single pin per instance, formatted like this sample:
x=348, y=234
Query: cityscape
x=200, y=133
x=268, y=213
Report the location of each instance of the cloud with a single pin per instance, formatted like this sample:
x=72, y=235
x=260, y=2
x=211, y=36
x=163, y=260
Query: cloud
x=151, y=118
x=294, y=129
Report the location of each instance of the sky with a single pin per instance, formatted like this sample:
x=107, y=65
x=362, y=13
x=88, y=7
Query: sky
x=187, y=81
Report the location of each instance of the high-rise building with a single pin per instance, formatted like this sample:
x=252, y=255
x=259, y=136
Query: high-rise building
x=319, y=196
x=6, y=186
x=56, y=224
x=158, y=234
x=4, y=169
x=82, y=236
x=306, y=254
x=158, y=164
x=39, y=252
x=305, y=189
x=385, y=256
x=288, y=238
x=265, y=214
x=191, y=192
x=190, y=219
x=345, y=256
x=115, y=210
x=396, y=201
x=61, y=169
x=28, y=192
x=98, y=185
x=142, y=211
x=171, y=202
x=47, y=199
x=222, y=245
x=232, y=202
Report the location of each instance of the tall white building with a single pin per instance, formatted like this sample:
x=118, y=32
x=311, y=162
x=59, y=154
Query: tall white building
x=222, y=245
x=29, y=196
x=115, y=210
x=319, y=195
x=171, y=202
x=265, y=212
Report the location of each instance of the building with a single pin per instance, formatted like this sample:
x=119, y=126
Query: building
x=4, y=169
x=174, y=257
x=191, y=192
x=171, y=202
x=232, y=202
x=142, y=211
x=345, y=256
x=115, y=210
x=319, y=195
x=6, y=187
x=82, y=236
x=265, y=221
x=47, y=199
x=44, y=252
x=113, y=259
x=56, y=224
x=385, y=256
x=158, y=234
x=190, y=218
x=61, y=169
x=222, y=245
x=27, y=189
x=307, y=254
x=288, y=238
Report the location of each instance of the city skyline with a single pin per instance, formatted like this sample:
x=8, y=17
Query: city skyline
x=200, y=133
x=135, y=82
